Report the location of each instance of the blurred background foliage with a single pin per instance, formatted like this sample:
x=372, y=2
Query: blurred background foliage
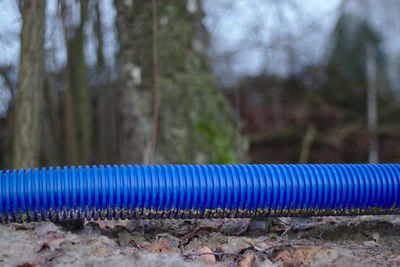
x=199, y=81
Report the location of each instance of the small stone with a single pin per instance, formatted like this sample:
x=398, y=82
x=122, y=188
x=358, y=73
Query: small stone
x=207, y=258
x=100, y=251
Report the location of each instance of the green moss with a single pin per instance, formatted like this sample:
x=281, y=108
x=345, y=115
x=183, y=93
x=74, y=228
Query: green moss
x=196, y=123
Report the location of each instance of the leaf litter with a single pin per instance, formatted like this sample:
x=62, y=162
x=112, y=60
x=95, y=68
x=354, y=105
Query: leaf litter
x=319, y=241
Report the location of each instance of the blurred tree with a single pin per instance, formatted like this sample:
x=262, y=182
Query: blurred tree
x=345, y=72
x=196, y=123
x=134, y=102
x=372, y=106
x=352, y=77
x=158, y=101
x=105, y=89
x=78, y=100
x=30, y=86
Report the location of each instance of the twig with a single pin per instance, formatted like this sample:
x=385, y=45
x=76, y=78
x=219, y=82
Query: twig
x=291, y=244
x=211, y=253
x=326, y=245
x=285, y=232
x=306, y=143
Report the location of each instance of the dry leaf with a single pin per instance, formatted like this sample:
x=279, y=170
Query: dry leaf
x=207, y=226
x=52, y=240
x=296, y=259
x=162, y=247
x=107, y=225
x=53, y=235
x=36, y=261
x=52, y=244
x=47, y=229
x=55, y=243
x=283, y=255
x=207, y=258
x=247, y=261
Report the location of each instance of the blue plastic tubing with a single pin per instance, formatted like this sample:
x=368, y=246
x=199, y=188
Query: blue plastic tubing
x=198, y=191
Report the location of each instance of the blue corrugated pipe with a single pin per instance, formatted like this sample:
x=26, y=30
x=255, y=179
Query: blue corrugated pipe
x=198, y=191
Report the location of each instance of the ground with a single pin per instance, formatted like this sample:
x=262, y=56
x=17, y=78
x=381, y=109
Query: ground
x=320, y=241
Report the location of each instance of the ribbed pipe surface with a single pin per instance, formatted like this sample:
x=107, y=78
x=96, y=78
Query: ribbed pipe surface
x=198, y=191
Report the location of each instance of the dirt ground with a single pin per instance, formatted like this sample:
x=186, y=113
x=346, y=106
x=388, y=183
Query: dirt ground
x=320, y=241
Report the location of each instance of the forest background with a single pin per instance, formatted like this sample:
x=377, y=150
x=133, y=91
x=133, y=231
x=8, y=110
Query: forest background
x=168, y=81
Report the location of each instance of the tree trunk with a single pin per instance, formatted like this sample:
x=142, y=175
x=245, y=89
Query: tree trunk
x=30, y=86
x=78, y=102
x=372, y=107
x=106, y=138
x=191, y=109
x=134, y=101
x=51, y=152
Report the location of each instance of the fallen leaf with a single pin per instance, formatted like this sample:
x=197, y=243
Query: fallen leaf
x=50, y=235
x=162, y=247
x=55, y=243
x=284, y=255
x=53, y=235
x=218, y=250
x=100, y=251
x=296, y=259
x=173, y=241
x=52, y=244
x=45, y=229
x=207, y=258
x=238, y=244
x=107, y=225
x=132, y=243
x=311, y=252
x=245, y=226
x=37, y=261
x=204, y=227
x=247, y=261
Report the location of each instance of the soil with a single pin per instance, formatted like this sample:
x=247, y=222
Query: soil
x=317, y=241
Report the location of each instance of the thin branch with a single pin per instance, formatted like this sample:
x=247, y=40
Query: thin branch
x=210, y=253
x=4, y=72
x=306, y=143
x=291, y=244
x=325, y=245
